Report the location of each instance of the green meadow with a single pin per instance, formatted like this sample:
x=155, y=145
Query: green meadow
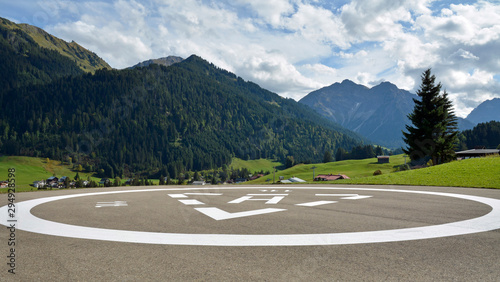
x=479, y=172
x=254, y=165
x=32, y=169
x=351, y=168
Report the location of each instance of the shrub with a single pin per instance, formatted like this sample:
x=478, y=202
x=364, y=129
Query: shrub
x=402, y=167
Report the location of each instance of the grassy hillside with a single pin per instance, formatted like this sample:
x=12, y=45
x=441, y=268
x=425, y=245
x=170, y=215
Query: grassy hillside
x=479, y=172
x=255, y=165
x=85, y=59
x=352, y=168
x=32, y=169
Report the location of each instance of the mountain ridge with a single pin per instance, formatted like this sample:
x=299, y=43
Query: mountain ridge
x=164, y=61
x=24, y=62
x=486, y=111
x=86, y=60
x=378, y=113
x=372, y=112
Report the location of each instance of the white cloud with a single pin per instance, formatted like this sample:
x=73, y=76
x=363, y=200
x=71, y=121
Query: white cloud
x=474, y=80
x=320, y=70
x=378, y=20
x=272, y=71
x=270, y=11
x=295, y=46
x=464, y=24
x=364, y=78
x=346, y=55
x=463, y=54
x=319, y=25
x=463, y=38
x=56, y=8
x=465, y=102
x=105, y=41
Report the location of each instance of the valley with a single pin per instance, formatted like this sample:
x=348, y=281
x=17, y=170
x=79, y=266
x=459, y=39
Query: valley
x=173, y=117
x=454, y=174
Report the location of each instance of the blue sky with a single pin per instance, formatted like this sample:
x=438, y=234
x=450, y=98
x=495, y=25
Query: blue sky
x=293, y=47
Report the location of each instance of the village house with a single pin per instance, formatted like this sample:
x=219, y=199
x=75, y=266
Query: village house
x=253, y=177
x=330, y=177
x=52, y=182
x=61, y=182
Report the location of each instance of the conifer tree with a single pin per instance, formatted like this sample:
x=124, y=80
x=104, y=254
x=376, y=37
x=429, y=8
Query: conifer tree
x=327, y=157
x=434, y=131
x=340, y=154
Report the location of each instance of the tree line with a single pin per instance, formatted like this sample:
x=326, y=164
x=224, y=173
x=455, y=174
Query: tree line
x=485, y=135
x=156, y=120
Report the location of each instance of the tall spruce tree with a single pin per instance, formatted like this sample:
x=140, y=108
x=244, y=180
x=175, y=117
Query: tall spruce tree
x=327, y=157
x=434, y=131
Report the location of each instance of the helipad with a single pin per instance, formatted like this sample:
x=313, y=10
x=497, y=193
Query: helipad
x=230, y=208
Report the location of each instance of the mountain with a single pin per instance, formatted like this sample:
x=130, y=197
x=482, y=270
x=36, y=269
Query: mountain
x=29, y=55
x=84, y=59
x=188, y=116
x=485, y=112
x=24, y=62
x=464, y=124
x=166, y=61
x=378, y=113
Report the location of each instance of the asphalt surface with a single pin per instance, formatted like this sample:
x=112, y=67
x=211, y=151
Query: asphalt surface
x=297, y=210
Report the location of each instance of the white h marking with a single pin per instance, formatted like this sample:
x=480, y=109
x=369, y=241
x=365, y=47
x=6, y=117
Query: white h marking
x=274, y=200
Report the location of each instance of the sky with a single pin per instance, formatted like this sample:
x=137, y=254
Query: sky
x=293, y=47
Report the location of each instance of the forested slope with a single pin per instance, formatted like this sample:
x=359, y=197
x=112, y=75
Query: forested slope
x=24, y=62
x=485, y=134
x=188, y=116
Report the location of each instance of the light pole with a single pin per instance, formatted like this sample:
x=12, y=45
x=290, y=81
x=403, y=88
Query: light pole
x=313, y=171
x=274, y=173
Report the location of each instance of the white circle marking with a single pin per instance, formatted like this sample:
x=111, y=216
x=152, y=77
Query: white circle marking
x=31, y=223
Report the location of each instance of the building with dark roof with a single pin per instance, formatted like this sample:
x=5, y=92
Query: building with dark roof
x=383, y=159
x=477, y=153
x=330, y=177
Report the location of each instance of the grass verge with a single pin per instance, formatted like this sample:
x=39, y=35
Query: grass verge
x=478, y=172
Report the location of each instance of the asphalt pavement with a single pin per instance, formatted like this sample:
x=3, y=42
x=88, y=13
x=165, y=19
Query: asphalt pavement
x=254, y=233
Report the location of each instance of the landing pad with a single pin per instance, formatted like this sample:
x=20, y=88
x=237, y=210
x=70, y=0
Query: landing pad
x=258, y=215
